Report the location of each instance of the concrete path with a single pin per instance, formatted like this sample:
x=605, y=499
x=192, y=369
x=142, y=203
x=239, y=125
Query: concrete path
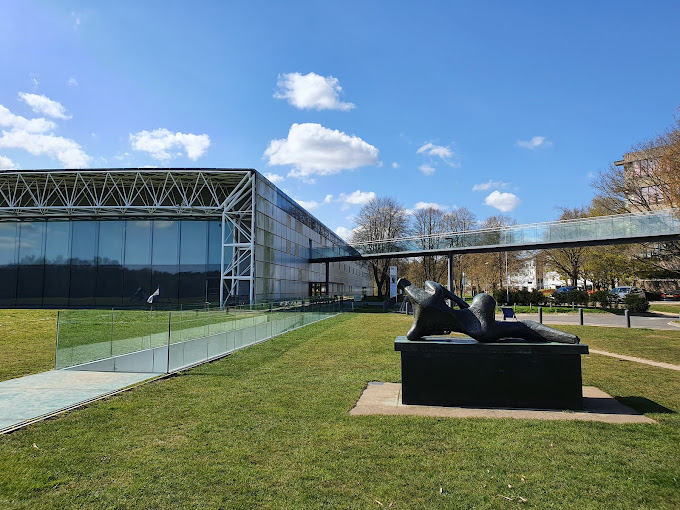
x=601, y=319
x=385, y=399
x=35, y=397
x=637, y=360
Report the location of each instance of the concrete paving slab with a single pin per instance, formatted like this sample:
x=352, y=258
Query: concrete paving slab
x=658, y=364
x=29, y=398
x=385, y=399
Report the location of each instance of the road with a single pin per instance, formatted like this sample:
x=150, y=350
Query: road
x=657, y=321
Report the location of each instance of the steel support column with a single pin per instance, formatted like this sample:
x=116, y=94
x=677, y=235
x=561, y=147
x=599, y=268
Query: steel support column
x=328, y=279
x=450, y=267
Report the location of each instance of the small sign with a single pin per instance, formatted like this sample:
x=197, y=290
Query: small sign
x=393, y=281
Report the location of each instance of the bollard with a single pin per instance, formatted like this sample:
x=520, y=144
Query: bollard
x=627, y=314
x=580, y=316
x=540, y=315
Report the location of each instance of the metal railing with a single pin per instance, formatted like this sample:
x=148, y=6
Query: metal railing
x=164, y=341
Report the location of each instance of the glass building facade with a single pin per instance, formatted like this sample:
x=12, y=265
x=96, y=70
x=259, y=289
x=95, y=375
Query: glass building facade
x=109, y=262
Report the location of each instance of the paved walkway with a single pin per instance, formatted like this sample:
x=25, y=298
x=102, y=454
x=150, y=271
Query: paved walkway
x=637, y=360
x=385, y=399
x=34, y=397
x=602, y=319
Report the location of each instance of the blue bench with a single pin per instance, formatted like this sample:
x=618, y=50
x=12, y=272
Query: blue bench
x=508, y=313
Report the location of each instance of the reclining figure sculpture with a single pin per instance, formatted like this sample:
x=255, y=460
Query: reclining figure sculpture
x=432, y=316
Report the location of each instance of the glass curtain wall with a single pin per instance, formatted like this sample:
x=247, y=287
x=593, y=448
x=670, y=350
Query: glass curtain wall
x=109, y=262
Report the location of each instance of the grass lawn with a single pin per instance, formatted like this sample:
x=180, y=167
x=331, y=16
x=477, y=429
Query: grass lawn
x=673, y=308
x=268, y=427
x=27, y=341
x=651, y=344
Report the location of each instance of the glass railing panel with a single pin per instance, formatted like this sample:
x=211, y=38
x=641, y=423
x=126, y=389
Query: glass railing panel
x=83, y=336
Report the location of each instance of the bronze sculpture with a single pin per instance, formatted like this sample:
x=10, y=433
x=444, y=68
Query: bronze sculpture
x=433, y=316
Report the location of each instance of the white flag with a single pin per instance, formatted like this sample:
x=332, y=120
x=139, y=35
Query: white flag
x=157, y=293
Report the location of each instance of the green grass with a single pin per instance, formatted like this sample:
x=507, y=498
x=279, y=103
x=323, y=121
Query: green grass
x=27, y=342
x=268, y=427
x=651, y=344
x=672, y=308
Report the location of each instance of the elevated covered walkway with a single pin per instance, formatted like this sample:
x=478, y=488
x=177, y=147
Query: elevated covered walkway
x=655, y=226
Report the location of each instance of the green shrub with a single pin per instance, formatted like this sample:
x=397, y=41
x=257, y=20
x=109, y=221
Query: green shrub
x=601, y=297
x=652, y=295
x=519, y=297
x=560, y=298
x=578, y=297
x=636, y=304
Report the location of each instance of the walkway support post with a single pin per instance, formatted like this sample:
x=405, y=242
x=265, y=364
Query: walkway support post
x=328, y=279
x=540, y=315
x=450, y=268
x=580, y=316
x=627, y=314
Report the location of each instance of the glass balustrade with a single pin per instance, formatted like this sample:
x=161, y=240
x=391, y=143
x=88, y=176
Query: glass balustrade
x=164, y=341
x=646, y=225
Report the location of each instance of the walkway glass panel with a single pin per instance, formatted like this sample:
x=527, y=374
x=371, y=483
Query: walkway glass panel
x=624, y=228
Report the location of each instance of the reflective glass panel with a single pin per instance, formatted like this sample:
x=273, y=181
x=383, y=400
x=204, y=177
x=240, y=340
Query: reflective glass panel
x=215, y=243
x=194, y=242
x=8, y=234
x=165, y=243
x=138, y=243
x=58, y=242
x=31, y=242
x=111, y=242
x=84, y=242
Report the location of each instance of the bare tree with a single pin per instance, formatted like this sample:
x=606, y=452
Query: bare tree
x=428, y=224
x=647, y=183
x=653, y=179
x=459, y=221
x=569, y=262
x=381, y=219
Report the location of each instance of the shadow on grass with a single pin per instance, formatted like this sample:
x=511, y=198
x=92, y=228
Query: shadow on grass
x=644, y=405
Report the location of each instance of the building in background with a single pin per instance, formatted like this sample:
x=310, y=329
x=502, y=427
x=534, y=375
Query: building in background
x=111, y=237
x=641, y=169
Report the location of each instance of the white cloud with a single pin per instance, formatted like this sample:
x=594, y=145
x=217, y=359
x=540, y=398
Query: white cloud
x=433, y=205
x=72, y=82
x=67, y=151
x=159, y=141
x=9, y=120
x=77, y=18
x=309, y=205
x=426, y=169
x=590, y=176
x=395, y=165
x=7, y=164
x=328, y=199
x=33, y=136
x=488, y=185
x=274, y=178
x=313, y=149
x=436, y=150
x=534, y=143
x=311, y=91
x=345, y=233
x=504, y=202
x=44, y=105
x=357, y=197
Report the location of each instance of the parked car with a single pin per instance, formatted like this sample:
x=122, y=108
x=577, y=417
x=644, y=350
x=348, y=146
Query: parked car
x=619, y=293
x=671, y=294
x=561, y=292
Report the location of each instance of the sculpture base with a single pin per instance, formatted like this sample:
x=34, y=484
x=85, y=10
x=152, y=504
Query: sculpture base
x=446, y=371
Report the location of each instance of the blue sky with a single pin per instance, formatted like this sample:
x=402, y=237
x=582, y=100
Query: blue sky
x=506, y=107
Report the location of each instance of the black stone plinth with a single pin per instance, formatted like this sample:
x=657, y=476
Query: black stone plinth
x=463, y=372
